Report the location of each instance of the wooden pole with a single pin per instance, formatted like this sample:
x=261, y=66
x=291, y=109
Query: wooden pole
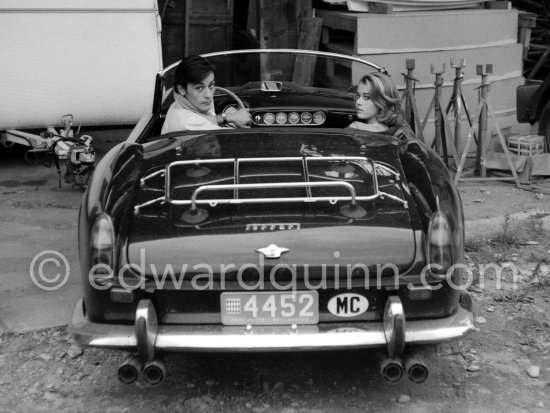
x=484, y=72
x=456, y=99
x=411, y=112
x=410, y=64
x=440, y=139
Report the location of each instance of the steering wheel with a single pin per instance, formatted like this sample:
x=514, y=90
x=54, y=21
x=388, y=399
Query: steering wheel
x=234, y=96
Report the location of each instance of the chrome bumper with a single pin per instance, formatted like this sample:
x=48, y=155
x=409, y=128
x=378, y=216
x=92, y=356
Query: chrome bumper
x=146, y=336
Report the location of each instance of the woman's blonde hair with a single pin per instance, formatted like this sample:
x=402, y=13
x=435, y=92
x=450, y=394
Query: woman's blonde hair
x=384, y=95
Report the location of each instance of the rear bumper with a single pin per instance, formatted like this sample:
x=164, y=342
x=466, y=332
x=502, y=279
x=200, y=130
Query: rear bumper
x=147, y=337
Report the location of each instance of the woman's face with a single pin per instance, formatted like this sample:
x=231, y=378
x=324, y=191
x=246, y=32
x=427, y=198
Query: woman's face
x=366, y=109
x=200, y=94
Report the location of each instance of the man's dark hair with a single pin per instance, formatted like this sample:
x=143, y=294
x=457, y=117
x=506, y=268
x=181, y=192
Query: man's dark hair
x=193, y=69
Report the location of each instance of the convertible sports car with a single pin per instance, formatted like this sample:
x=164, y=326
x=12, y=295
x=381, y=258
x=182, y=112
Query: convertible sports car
x=295, y=234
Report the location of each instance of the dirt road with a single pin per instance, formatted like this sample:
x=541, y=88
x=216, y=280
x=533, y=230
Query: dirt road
x=504, y=366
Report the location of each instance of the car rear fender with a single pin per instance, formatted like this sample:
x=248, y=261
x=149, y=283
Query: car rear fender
x=109, y=190
x=426, y=170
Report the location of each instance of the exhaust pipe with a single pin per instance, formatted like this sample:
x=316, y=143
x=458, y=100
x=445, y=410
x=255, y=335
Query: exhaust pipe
x=392, y=370
x=417, y=371
x=129, y=370
x=154, y=372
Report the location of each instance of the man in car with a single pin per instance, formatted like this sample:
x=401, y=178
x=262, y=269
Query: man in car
x=193, y=107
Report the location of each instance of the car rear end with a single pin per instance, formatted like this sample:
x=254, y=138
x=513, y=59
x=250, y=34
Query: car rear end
x=272, y=241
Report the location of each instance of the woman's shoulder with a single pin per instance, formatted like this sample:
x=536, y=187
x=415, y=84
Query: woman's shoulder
x=402, y=132
x=368, y=127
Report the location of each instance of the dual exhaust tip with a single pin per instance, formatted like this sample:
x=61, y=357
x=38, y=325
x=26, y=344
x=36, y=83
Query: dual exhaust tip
x=393, y=370
x=151, y=372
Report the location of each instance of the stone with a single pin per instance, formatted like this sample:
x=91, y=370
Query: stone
x=481, y=320
x=404, y=398
x=45, y=357
x=74, y=351
x=49, y=396
x=473, y=368
x=533, y=371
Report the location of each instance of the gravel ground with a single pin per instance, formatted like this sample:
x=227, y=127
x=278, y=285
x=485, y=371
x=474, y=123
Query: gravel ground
x=503, y=366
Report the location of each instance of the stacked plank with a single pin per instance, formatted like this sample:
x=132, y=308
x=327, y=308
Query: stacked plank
x=380, y=6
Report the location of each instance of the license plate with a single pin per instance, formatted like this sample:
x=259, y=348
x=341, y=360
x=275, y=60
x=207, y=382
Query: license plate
x=269, y=308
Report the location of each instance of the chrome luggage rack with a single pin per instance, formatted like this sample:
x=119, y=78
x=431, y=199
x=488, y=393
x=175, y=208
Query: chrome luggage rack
x=196, y=215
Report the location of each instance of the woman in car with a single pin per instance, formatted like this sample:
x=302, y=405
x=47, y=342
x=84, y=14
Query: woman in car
x=193, y=107
x=378, y=106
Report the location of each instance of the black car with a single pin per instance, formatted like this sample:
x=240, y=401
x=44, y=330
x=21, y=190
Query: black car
x=295, y=234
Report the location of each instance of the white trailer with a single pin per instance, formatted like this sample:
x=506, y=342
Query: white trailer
x=93, y=59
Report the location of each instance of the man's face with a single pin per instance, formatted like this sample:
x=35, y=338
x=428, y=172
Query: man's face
x=200, y=94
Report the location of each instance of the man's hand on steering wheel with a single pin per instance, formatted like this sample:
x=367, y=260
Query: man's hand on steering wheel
x=241, y=118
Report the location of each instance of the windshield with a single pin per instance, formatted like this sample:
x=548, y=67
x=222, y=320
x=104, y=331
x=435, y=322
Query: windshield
x=271, y=70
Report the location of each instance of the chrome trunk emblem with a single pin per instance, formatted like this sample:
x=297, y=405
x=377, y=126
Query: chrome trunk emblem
x=272, y=251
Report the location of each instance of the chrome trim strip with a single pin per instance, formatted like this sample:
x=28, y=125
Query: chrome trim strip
x=290, y=51
x=274, y=185
x=142, y=180
x=327, y=336
x=151, y=202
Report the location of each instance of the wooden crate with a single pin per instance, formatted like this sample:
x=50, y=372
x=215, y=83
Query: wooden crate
x=526, y=145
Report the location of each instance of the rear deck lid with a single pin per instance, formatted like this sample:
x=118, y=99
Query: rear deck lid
x=298, y=194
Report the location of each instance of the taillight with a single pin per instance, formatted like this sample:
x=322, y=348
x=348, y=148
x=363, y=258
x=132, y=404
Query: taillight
x=440, y=245
x=102, y=244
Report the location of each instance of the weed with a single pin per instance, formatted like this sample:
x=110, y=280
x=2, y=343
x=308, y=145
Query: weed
x=507, y=236
x=473, y=244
